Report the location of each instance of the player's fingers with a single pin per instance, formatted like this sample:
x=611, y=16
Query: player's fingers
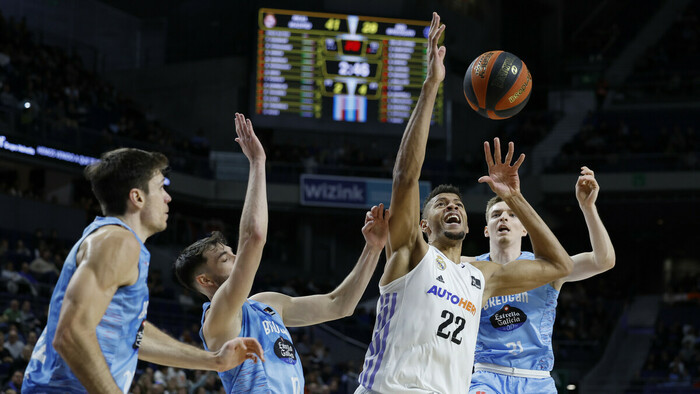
x=509, y=154
x=520, y=161
x=590, y=179
x=497, y=150
x=387, y=214
x=438, y=34
x=237, y=122
x=251, y=132
x=485, y=179
x=253, y=345
x=487, y=154
x=380, y=211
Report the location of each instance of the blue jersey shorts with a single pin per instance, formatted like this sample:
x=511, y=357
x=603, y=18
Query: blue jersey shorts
x=484, y=382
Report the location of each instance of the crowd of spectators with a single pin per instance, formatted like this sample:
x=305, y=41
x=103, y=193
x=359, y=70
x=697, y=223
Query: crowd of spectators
x=633, y=141
x=669, y=69
x=53, y=97
x=673, y=360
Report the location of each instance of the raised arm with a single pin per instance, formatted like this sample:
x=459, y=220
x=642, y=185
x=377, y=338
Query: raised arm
x=341, y=302
x=602, y=257
x=159, y=348
x=404, y=233
x=551, y=263
x=223, y=319
x=107, y=260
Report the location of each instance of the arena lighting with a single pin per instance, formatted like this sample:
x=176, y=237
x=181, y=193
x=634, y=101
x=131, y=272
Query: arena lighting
x=571, y=387
x=27, y=104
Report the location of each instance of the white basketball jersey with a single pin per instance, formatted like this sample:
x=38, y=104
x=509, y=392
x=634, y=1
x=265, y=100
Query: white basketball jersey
x=425, y=333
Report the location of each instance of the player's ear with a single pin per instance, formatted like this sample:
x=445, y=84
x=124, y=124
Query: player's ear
x=424, y=226
x=136, y=197
x=203, y=280
x=524, y=232
x=486, y=231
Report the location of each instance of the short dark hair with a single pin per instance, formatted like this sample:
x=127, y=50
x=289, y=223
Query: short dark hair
x=493, y=201
x=119, y=171
x=444, y=188
x=190, y=259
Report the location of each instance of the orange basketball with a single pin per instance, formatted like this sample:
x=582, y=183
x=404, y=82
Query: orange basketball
x=497, y=85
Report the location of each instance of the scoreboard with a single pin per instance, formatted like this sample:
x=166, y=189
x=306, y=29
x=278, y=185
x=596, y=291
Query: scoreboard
x=339, y=72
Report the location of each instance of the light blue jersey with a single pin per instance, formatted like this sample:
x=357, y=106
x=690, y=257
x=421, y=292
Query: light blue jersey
x=118, y=333
x=281, y=372
x=516, y=331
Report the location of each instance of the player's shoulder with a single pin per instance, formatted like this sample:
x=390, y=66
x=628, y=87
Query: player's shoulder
x=487, y=267
x=113, y=240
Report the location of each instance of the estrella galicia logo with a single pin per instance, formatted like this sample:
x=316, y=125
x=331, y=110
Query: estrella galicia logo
x=285, y=351
x=476, y=283
x=440, y=263
x=508, y=318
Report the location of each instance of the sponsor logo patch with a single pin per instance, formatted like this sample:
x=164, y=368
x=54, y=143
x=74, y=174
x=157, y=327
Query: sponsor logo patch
x=285, y=351
x=508, y=318
x=476, y=283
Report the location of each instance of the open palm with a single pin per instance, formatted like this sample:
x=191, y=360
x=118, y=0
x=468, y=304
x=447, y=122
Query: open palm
x=503, y=177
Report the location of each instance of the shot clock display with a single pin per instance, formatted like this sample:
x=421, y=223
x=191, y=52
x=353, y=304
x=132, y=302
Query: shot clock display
x=339, y=72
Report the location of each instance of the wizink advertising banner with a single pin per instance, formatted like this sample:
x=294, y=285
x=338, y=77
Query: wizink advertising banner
x=348, y=192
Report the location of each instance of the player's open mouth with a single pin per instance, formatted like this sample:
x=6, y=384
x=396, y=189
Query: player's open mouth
x=453, y=218
x=503, y=229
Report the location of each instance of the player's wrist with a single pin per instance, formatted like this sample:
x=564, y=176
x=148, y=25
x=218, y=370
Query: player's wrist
x=512, y=196
x=431, y=83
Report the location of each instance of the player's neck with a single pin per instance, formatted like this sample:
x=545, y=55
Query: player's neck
x=501, y=252
x=133, y=221
x=453, y=251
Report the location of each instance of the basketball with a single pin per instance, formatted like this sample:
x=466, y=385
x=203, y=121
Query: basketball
x=497, y=85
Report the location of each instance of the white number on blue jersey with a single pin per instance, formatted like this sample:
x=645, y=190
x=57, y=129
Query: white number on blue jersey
x=515, y=347
x=295, y=385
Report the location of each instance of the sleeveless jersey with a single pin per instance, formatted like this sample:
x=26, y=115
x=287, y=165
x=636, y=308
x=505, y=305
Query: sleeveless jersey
x=281, y=372
x=425, y=330
x=516, y=330
x=118, y=333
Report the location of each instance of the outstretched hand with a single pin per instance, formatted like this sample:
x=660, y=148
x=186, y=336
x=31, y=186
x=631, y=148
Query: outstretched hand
x=586, y=188
x=376, y=228
x=251, y=146
x=436, y=56
x=236, y=351
x=502, y=178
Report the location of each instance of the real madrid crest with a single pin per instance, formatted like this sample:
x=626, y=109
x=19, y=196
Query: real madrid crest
x=440, y=262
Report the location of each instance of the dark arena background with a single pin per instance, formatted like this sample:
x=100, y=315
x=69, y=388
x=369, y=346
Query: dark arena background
x=616, y=87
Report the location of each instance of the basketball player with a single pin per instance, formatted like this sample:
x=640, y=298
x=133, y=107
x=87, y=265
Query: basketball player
x=514, y=346
x=430, y=303
x=210, y=267
x=97, y=312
